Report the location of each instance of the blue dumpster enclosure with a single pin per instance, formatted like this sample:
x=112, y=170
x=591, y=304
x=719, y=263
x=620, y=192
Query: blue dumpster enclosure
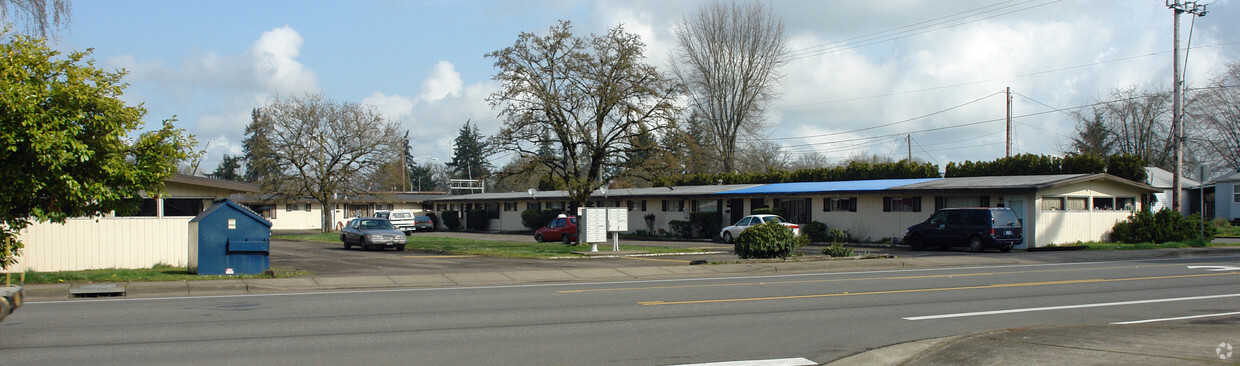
x=228, y=239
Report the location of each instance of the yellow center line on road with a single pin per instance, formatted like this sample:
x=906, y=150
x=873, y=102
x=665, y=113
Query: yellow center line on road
x=1001, y=285
x=658, y=259
x=855, y=279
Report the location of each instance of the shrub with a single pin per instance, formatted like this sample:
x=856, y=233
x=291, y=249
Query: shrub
x=452, y=220
x=649, y=222
x=682, y=228
x=838, y=250
x=705, y=224
x=816, y=231
x=534, y=219
x=476, y=220
x=1162, y=227
x=768, y=240
x=837, y=235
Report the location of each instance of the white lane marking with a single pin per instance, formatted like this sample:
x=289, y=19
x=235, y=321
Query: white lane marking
x=775, y=362
x=1066, y=307
x=1176, y=318
x=1216, y=268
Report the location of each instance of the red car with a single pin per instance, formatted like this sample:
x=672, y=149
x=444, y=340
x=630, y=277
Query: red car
x=562, y=229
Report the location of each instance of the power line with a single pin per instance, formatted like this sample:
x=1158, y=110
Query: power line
x=995, y=79
x=892, y=123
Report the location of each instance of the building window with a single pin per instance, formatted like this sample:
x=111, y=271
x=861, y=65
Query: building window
x=901, y=204
x=757, y=203
x=1078, y=203
x=1052, y=203
x=182, y=206
x=630, y=205
x=148, y=208
x=1104, y=203
x=492, y=209
x=839, y=204
x=643, y=205
x=1235, y=197
x=290, y=207
x=309, y=206
x=536, y=206
x=1126, y=203
x=665, y=206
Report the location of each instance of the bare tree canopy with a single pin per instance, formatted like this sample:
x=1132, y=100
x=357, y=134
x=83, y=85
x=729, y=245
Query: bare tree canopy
x=320, y=148
x=39, y=16
x=586, y=99
x=1136, y=123
x=1215, y=112
x=729, y=56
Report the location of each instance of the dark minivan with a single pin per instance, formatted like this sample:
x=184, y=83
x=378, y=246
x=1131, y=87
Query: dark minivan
x=976, y=228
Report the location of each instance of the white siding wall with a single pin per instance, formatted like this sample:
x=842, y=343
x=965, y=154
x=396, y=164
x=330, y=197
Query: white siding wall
x=870, y=221
x=1071, y=226
x=298, y=219
x=81, y=244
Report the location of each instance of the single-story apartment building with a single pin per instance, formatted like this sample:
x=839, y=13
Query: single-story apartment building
x=304, y=214
x=1055, y=209
x=157, y=234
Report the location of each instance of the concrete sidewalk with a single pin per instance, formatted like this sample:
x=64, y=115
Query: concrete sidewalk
x=1171, y=344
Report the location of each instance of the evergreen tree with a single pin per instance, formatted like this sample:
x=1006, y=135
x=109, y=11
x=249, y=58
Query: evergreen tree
x=469, y=154
x=257, y=148
x=228, y=168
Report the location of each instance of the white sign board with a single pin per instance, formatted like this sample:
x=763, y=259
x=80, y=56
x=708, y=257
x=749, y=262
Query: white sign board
x=595, y=225
x=617, y=219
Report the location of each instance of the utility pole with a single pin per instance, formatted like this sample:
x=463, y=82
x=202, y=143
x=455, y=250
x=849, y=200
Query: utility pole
x=908, y=140
x=1177, y=120
x=1009, y=122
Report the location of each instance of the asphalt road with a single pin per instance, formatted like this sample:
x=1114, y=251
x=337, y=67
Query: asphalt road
x=818, y=317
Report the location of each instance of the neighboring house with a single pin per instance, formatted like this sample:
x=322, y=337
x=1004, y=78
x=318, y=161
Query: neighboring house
x=157, y=234
x=1227, y=197
x=1056, y=209
x=1163, y=181
x=306, y=213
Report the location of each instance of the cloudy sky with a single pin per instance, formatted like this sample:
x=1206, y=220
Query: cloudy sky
x=864, y=74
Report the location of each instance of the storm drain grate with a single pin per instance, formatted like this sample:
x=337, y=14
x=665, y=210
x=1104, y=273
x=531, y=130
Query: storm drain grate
x=98, y=290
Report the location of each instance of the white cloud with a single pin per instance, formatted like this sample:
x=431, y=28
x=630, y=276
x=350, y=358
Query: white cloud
x=393, y=107
x=442, y=82
x=217, y=91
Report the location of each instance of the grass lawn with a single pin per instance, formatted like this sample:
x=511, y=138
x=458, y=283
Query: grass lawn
x=1228, y=231
x=158, y=273
x=505, y=249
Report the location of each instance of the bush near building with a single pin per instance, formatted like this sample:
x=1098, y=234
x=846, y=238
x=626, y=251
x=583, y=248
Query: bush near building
x=705, y=225
x=1164, y=226
x=768, y=240
x=452, y=220
x=476, y=220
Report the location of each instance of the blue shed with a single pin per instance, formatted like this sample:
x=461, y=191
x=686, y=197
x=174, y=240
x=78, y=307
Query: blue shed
x=229, y=239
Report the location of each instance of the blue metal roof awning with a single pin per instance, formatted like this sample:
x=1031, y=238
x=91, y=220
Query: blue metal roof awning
x=826, y=187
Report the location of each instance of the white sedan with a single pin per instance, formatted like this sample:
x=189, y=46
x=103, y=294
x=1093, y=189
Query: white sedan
x=731, y=232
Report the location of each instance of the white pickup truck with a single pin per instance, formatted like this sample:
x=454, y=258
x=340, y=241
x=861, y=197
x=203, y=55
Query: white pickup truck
x=402, y=220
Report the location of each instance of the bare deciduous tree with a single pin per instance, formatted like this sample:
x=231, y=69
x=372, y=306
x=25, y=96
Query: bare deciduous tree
x=729, y=56
x=1215, y=112
x=586, y=98
x=1137, y=123
x=39, y=16
x=321, y=148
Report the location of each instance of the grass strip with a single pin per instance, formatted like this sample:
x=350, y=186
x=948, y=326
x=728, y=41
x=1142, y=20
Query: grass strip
x=488, y=248
x=157, y=273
